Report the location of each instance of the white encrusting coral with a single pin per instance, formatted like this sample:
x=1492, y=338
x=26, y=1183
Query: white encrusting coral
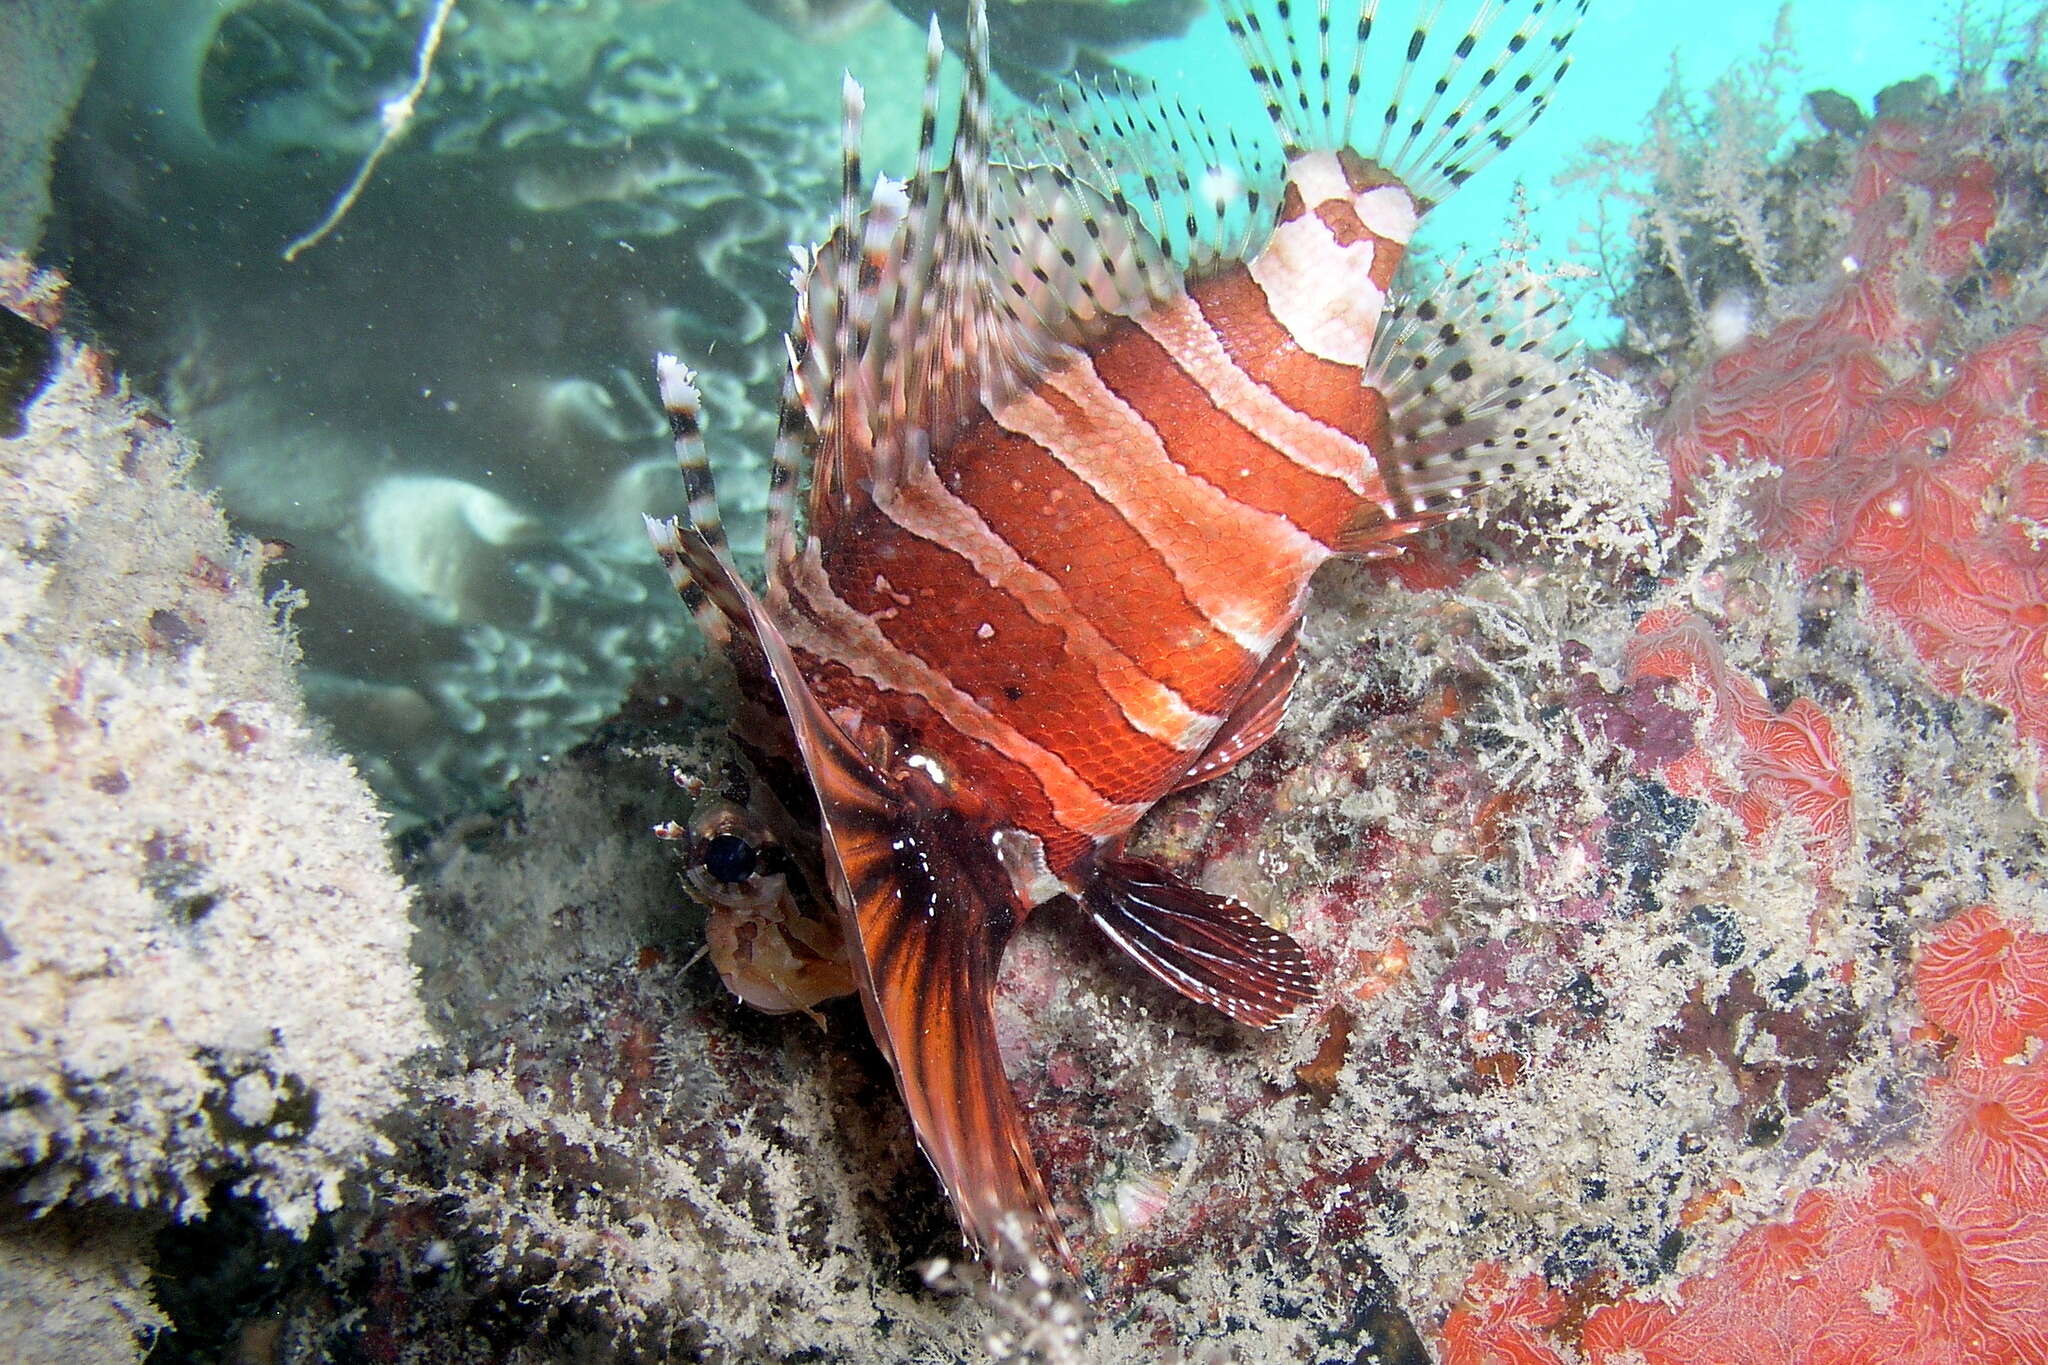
x=203, y=944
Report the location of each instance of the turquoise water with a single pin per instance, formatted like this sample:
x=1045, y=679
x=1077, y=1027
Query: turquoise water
x=1624, y=57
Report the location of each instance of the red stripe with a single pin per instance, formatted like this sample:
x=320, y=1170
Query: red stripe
x=1111, y=573
x=1010, y=786
x=1333, y=394
x=1205, y=440
x=986, y=644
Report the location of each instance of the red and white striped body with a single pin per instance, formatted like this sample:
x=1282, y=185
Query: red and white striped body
x=1075, y=452
x=1061, y=611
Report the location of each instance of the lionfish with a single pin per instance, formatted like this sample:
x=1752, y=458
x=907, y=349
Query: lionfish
x=1081, y=412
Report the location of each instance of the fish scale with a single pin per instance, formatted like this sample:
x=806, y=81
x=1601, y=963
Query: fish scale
x=1078, y=433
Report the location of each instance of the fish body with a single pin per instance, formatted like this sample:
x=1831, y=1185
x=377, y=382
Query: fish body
x=1082, y=411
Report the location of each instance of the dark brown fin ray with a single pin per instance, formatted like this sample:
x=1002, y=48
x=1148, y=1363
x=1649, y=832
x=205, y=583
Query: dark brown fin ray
x=1188, y=195
x=1255, y=720
x=1449, y=107
x=935, y=911
x=1210, y=948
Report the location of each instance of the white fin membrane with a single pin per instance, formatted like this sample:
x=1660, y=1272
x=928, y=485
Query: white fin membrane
x=1477, y=380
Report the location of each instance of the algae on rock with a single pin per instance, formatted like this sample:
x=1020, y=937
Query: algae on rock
x=203, y=944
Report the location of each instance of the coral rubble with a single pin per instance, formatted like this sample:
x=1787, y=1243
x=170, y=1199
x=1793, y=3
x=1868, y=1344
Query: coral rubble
x=204, y=979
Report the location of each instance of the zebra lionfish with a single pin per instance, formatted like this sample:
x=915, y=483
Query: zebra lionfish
x=1082, y=411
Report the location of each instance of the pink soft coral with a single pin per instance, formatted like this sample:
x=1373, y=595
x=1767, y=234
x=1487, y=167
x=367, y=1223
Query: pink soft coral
x=1896, y=462
x=1941, y=1259
x=1785, y=762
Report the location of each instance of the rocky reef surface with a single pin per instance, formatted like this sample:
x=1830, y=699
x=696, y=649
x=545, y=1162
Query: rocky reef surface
x=203, y=938
x=1671, y=838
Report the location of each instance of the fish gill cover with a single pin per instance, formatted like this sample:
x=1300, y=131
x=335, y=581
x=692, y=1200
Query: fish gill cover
x=1671, y=838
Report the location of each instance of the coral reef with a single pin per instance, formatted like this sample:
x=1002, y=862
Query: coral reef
x=204, y=979
x=1899, y=417
x=1938, y=1258
x=1879, y=416
x=1670, y=839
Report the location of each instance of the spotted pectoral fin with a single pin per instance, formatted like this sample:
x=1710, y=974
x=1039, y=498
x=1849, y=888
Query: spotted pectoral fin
x=1254, y=721
x=1209, y=948
x=1478, y=386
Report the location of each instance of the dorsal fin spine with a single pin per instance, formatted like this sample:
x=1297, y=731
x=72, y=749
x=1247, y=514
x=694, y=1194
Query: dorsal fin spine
x=906, y=309
x=1441, y=122
x=849, y=427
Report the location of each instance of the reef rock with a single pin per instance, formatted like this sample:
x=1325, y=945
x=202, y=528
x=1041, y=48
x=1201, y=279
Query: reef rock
x=204, y=980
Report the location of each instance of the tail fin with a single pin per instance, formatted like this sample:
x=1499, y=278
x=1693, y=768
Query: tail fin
x=1446, y=113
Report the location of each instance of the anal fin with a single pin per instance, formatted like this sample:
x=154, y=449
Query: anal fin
x=1255, y=719
x=1210, y=948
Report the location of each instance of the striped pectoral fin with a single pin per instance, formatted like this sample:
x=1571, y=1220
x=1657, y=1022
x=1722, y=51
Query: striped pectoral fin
x=1254, y=720
x=928, y=907
x=1210, y=948
x=935, y=913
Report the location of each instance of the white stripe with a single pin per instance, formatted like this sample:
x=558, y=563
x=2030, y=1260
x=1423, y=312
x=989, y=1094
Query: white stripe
x=1389, y=211
x=1322, y=293
x=925, y=507
x=1187, y=335
x=1318, y=176
x=844, y=636
x=1206, y=537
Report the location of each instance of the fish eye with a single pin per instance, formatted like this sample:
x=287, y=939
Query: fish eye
x=730, y=858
